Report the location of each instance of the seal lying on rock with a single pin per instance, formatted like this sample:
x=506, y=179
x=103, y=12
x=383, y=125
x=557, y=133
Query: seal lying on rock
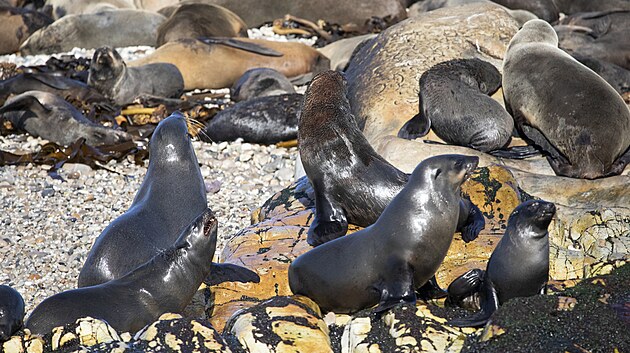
x=564, y=107
x=518, y=266
x=110, y=75
x=172, y=194
x=52, y=118
x=386, y=262
x=166, y=283
x=352, y=183
x=11, y=312
x=455, y=103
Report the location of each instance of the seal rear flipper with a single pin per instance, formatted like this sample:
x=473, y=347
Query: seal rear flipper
x=620, y=164
x=53, y=81
x=516, y=152
x=471, y=221
x=224, y=272
x=397, y=288
x=463, y=287
x=416, y=127
x=431, y=290
x=489, y=304
x=237, y=44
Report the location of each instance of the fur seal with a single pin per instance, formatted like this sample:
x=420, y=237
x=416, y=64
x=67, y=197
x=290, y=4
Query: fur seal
x=52, y=118
x=16, y=25
x=388, y=261
x=518, y=266
x=165, y=283
x=455, y=103
x=61, y=8
x=264, y=120
x=566, y=108
x=352, y=183
x=203, y=63
x=51, y=83
x=11, y=312
x=193, y=20
x=172, y=194
x=543, y=9
x=120, y=28
x=616, y=76
x=260, y=82
x=110, y=75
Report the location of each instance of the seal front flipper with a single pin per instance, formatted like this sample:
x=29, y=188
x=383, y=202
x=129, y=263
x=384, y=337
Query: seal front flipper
x=463, y=289
x=250, y=47
x=330, y=220
x=471, y=221
x=516, y=152
x=224, y=272
x=489, y=302
x=620, y=164
x=398, y=287
x=431, y=290
x=416, y=127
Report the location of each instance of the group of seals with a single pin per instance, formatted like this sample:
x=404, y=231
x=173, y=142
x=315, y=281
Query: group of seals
x=110, y=75
x=566, y=109
x=11, y=312
x=388, y=261
x=352, y=182
x=455, y=103
x=518, y=266
x=165, y=283
x=52, y=118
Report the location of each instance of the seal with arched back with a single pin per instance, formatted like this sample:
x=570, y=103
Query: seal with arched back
x=388, y=261
x=565, y=108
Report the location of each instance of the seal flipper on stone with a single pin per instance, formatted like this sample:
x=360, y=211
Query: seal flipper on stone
x=620, y=164
x=398, y=287
x=416, y=127
x=471, y=220
x=224, y=272
x=234, y=43
x=431, y=290
x=516, y=152
x=489, y=302
x=464, y=290
x=330, y=219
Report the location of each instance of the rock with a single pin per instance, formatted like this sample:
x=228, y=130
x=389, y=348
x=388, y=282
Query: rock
x=23, y=342
x=281, y=324
x=406, y=328
x=339, y=12
x=383, y=76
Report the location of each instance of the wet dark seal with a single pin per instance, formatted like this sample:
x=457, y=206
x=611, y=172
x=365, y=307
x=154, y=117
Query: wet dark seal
x=388, y=261
x=110, y=75
x=352, y=183
x=166, y=283
x=172, y=194
x=264, y=120
x=518, y=266
x=563, y=107
x=455, y=103
x=260, y=82
x=52, y=118
x=11, y=312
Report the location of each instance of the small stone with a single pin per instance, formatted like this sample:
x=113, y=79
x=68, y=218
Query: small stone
x=246, y=156
x=48, y=192
x=285, y=174
x=213, y=187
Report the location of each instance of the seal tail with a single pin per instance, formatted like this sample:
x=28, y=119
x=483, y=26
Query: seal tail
x=226, y=272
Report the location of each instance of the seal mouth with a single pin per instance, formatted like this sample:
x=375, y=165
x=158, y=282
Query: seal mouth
x=209, y=223
x=471, y=165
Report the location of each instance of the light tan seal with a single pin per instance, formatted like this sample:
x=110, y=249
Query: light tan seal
x=222, y=62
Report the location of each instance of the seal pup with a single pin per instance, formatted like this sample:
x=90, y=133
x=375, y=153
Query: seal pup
x=110, y=75
x=52, y=118
x=120, y=28
x=166, y=283
x=16, y=25
x=388, y=261
x=264, y=120
x=352, y=183
x=172, y=194
x=565, y=108
x=260, y=82
x=518, y=266
x=193, y=20
x=11, y=312
x=455, y=102
x=202, y=61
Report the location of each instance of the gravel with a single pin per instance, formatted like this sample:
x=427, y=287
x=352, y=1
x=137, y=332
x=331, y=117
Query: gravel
x=48, y=226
